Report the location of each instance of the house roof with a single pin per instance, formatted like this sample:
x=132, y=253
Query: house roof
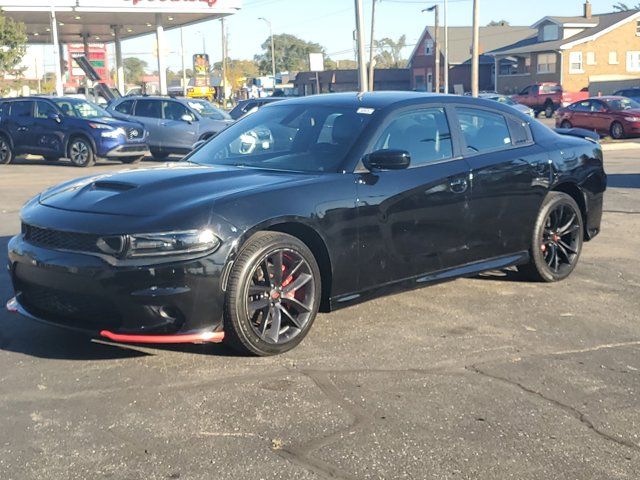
x=491, y=38
x=604, y=23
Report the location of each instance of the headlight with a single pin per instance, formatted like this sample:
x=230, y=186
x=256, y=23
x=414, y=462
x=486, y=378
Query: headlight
x=632, y=119
x=114, y=133
x=159, y=244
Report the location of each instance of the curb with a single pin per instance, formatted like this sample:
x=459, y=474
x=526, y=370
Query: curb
x=613, y=147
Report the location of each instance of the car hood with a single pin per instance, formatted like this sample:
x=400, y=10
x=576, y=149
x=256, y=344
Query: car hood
x=115, y=123
x=162, y=190
x=216, y=125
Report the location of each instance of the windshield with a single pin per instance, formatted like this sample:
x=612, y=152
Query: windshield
x=302, y=138
x=80, y=108
x=208, y=111
x=619, y=104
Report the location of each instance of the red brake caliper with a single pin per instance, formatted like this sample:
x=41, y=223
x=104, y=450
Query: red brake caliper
x=286, y=282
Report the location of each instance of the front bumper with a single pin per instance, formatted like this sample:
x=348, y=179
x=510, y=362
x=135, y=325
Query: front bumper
x=175, y=302
x=128, y=150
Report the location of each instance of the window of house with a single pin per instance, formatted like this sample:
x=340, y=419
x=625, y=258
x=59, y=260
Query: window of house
x=428, y=48
x=613, y=58
x=591, y=58
x=550, y=32
x=575, y=62
x=633, y=61
x=483, y=131
x=638, y=28
x=547, y=63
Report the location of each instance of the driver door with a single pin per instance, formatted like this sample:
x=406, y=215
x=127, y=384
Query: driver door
x=47, y=133
x=181, y=134
x=414, y=221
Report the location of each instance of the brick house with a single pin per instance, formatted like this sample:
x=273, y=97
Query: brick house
x=573, y=51
x=422, y=60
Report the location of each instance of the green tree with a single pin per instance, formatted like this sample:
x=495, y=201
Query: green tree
x=623, y=7
x=390, y=52
x=13, y=41
x=498, y=23
x=239, y=70
x=292, y=54
x=134, y=69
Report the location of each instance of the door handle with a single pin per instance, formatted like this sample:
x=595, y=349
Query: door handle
x=22, y=129
x=459, y=185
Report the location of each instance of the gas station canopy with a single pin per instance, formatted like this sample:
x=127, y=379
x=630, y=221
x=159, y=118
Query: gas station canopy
x=95, y=18
x=73, y=21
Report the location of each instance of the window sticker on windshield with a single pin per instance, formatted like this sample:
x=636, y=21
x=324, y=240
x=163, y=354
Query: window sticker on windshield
x=366, y=111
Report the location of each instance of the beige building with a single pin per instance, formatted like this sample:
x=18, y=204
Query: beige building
x=573, y=51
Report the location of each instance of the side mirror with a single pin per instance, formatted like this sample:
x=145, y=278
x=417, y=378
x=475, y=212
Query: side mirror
x=186, y=118
x=387, y=160
x=55, y=117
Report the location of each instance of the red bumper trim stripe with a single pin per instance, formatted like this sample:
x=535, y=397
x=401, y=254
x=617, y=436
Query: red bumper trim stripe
x=208, y=337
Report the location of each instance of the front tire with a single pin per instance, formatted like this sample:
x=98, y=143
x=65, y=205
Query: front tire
x=6, y=152
x=130, y=160
x=273, y=295
x=158, y=154
x=81, y=152
x=565, y=124
x=557, y=239
x=617, y=131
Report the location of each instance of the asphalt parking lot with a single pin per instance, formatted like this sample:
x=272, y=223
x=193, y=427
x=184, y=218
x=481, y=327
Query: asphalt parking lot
x=482, y=378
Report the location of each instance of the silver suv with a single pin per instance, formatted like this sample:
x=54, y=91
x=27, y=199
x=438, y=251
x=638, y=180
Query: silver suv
x=174, y=124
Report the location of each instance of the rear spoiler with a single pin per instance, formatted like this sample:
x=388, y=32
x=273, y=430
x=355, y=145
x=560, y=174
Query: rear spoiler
x=579, y=132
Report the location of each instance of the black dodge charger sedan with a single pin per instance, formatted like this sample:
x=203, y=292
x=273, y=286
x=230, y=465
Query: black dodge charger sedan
x=307, y=205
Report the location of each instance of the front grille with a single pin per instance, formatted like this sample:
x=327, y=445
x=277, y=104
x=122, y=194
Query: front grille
x=82, y=311
x=135, y=134
x=59, y=240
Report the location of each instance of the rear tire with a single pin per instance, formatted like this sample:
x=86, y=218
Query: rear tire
x=6, y=152
x=557, y=239
x=617, y=131
x=549, y=110
x=81, y=152
x=566, y=124
x=130, y=160
x=273, y=295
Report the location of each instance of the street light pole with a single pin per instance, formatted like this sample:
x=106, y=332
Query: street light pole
x=436, y=42
x=446, y=48
x=273, y=50
x=371, y=45
x=476, y=49
x=362, y=68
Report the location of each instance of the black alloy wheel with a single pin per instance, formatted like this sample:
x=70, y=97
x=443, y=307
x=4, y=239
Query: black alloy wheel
x=81, y=152
x=6, y=153
x=617, y=131
x=557, y=239
x=273, y=295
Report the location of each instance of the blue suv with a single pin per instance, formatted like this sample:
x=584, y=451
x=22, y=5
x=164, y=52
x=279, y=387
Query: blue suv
x=57, y=127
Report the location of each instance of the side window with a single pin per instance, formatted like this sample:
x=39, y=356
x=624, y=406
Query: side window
x=21, y=109
x=483, y=131
x=44, y=109
x=125, y=107
x=526, y=91
x=425, y=134
x=520, y=132
x=149, y=108
x=175, y=110
x=583, y=106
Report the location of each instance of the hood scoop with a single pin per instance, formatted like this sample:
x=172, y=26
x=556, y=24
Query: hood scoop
x=113, y=186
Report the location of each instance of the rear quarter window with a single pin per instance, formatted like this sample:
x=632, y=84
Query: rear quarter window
x=125, y=107
x=483, y=131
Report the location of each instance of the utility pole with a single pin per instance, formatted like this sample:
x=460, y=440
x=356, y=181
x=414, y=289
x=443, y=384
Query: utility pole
x=371, y=46
x=223, y=82
x=446, y=48
x=476, y=49
x=362, y=67
x=273, y=49
x=184, y=71
x=436, y=44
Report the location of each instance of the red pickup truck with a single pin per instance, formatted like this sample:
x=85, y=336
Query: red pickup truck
x=548, y=97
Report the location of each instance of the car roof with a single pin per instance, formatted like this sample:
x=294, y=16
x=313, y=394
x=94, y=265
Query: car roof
x=40, y=97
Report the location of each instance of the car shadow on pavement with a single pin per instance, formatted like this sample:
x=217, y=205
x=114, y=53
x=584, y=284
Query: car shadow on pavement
x=623, y=180
x=506, y=275
x=63, y=162
x=21, y=335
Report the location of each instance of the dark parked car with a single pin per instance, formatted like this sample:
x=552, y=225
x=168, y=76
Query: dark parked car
x=245, y=106
x=56, y=127
x=632, y=93
x=349, y=197
x=174, y=124
x=615, y=116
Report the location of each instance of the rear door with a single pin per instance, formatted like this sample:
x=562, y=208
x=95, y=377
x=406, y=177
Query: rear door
x=510, y=178
x=180, y=134
x=600, y=116
x=413, y=221
x=149, y=113
x=581, y=115
x=20, y=124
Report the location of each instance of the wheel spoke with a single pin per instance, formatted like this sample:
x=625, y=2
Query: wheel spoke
x=563, y=229
x=567, y=247
x=277, y=268
x=258, y=289
x=290, y=317
x=258, y=305
x=294, y=302
x=276, y=321
x=564, y=253
x=298, y=283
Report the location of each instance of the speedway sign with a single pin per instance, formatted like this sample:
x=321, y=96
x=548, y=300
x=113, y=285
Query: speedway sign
x=168, y=6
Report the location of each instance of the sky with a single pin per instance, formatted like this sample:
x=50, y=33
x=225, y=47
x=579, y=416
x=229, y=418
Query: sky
x=331, y=24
